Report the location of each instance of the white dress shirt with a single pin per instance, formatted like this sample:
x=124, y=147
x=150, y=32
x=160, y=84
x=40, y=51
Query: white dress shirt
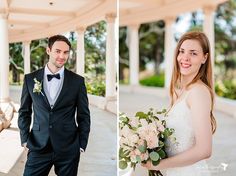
x=53, y=86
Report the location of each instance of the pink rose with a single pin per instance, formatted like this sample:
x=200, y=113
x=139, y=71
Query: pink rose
x=133, y=155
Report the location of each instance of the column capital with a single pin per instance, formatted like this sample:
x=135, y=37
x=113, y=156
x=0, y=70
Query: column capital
x=110, y=17
x=26, y=42
x=80, y=29
x=170, y=19
x=210, y=8
x=3, y=16
x=134, y=26
x=50, y=35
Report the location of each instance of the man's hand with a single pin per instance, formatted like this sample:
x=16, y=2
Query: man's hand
x=24, y=145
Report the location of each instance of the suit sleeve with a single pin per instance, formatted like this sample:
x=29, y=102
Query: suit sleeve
x=83, y=116
x=25, y=111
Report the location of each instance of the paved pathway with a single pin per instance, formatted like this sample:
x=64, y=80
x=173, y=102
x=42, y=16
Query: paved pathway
x=100, y=157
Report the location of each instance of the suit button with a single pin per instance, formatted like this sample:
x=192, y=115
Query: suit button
x=50, y=126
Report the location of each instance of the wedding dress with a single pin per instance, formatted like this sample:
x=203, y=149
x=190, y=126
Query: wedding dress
x=179, y=118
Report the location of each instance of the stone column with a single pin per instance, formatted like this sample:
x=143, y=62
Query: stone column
x=80, y=56
x=208, y=28
x=4, y=55
x=26, y=47
x=133, y=54
x=169, y=49
x=111, y=55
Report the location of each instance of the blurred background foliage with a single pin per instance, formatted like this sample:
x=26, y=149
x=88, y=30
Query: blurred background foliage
x=151, y=49
x=95, y=52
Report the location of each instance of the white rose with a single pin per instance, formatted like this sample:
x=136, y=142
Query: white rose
x=133, y=140
x=133, y=121
x=152, y=141
x=125, y=131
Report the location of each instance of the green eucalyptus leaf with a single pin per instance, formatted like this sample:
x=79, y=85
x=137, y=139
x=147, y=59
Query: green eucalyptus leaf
x=164, y=111
x=123, y=165
x=162, y=154
x=141, y=115
x=161, y=144
x=138, y=158
x=123, y=153
x=142, y=148
x=155, y=163
x=154, y=156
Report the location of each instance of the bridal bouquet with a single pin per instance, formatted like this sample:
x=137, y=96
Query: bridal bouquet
x=142, y=139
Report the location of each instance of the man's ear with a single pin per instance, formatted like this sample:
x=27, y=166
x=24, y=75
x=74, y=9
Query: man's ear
x=48, y=50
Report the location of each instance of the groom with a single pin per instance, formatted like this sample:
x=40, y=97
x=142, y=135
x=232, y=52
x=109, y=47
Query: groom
x=56, y=99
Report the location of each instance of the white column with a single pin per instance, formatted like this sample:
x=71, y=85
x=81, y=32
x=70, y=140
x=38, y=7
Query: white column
x=80, y=58
x=26, y=46
x=4, y=56
x=169, y=49
x=111, y=55
x=208, y=28
x=133, y=54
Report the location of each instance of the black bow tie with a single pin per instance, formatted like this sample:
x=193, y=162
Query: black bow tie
x=53, y=76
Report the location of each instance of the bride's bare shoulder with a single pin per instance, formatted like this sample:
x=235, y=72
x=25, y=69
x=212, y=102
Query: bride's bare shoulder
x=198, y=87
x=199, y=92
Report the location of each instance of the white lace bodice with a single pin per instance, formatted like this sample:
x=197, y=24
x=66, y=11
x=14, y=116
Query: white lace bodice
x=179, y=118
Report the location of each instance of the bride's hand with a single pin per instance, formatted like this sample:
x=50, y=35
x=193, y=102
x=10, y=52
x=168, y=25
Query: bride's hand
x=150, y=166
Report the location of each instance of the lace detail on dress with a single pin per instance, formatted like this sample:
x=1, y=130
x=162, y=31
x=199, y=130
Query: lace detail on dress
x=179, y=118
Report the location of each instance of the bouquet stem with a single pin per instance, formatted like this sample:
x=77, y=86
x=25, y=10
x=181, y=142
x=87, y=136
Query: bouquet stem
x=154, y=173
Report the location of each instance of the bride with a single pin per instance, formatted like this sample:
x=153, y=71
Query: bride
x=192, y=96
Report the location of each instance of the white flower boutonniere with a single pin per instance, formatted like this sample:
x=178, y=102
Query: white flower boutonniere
x=37, y=87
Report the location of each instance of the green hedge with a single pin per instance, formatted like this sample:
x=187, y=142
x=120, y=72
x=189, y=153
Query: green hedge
x=96, y=88
x=154, y=81
x=226, y=88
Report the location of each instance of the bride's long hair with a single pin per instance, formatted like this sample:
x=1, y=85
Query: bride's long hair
x=204, y=74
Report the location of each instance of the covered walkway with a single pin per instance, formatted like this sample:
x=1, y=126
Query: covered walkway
x=98, y=160
x=24, y=22
x=224, y=148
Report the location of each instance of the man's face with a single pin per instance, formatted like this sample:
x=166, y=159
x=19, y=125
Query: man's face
x=58, y=54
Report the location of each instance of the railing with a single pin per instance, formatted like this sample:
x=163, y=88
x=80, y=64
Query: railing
x=222, y=104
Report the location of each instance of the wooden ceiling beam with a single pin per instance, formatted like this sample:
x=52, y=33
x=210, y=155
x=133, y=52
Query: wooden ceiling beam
x=27, y=22
x=41, y=12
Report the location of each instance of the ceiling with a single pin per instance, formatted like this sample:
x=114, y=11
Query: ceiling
x=144, y=11
x=34, y=19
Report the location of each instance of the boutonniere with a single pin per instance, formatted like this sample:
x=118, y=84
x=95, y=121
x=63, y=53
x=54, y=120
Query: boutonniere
x=37, y=87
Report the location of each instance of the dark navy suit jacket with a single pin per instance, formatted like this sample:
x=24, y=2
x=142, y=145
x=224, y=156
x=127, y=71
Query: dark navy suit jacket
x=56, y=124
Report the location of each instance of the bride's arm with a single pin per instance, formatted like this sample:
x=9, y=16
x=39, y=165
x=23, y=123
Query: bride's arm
x=199, y=102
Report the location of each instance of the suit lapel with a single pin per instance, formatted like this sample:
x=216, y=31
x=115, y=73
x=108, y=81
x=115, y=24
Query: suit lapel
x=40, y=77
x=64, y=87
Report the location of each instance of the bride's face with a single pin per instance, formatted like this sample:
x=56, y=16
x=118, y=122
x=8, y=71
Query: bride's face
x=190, y=58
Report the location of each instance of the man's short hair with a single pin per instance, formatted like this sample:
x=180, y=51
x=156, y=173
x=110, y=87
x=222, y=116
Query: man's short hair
x=55, y=38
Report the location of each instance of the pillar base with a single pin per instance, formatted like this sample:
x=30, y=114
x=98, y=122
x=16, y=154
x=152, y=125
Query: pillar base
x=111, y=98
x=111, y=104
x=7, y=110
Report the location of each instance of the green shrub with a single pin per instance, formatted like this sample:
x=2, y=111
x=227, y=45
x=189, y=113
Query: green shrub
x=123, y=82
x=154, y=81
x=96, y=88
x=226, y=88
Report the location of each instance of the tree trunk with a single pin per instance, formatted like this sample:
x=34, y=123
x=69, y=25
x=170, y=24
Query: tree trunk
x=15, y=75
